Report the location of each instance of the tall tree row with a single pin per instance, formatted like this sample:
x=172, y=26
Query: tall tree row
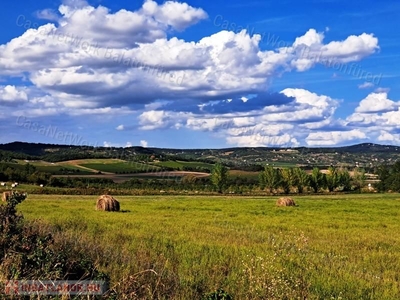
x=298, y=180
x=270, y=178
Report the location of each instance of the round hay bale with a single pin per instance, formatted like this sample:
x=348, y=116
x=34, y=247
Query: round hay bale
x=107, y=203
x=285, y=201
x=6, y=196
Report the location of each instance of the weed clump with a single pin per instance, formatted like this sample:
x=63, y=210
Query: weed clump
x=219, y=294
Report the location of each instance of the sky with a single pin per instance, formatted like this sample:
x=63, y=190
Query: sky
x=200, y=74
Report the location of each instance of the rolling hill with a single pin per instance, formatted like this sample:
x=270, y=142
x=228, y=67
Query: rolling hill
x=247, y=158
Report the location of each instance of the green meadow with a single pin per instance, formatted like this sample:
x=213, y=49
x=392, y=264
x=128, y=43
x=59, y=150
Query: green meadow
x=186, y=247
x=181, y=164
x=119, y=167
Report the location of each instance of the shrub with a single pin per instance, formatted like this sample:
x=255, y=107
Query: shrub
x=29, y=252
x=219, y=294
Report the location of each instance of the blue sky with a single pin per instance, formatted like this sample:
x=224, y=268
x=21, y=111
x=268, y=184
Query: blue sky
x=200, y=74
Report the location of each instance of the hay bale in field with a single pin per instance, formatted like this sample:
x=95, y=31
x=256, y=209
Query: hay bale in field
x=107, y=203
x=285, y=201
x=6, y=196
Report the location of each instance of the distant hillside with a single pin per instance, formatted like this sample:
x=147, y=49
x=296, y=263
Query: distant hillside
x=364, y=155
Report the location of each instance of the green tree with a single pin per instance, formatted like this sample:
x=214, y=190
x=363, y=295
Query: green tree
x=389, y=177
x=287, y=179
x=39, y=178
x=219, y=176
x=393, y=182
x=384, y=177
x=344, y=179
x=358, y=179
x=317, y=180
x=269, y=178
x=29, y=169
x=332, y=179
x=302, y=179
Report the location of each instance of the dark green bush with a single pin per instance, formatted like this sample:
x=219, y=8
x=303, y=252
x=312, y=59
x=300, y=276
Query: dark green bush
x=219, y=294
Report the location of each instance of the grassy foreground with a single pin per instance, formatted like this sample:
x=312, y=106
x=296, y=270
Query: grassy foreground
x=329, y=247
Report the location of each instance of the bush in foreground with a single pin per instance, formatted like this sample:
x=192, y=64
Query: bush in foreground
x=28, y=252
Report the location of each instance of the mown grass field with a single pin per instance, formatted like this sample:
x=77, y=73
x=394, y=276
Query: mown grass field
x=328, y=247
x=53, y=168
x=122, y=166
x=181, y=164
x=83, y=165
x=94, y=161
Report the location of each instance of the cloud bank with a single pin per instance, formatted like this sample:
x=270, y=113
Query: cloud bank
x=129, y=64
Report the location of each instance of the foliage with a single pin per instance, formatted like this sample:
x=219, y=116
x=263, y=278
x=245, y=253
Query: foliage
x=302, y=180
x=358, y=178
x=9, y=156
x=332, y=179
x=22, y=173
x=317, y=180
x=80, y=182
x=189, y=179
x=270, y=178
x=288, y=179
x=219, y=294
x=246, y=158
x=344, y=179
x=29, y=252
x=385, y=178
x=219, y=176
x=389, y=177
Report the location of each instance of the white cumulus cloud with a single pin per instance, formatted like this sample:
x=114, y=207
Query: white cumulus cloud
x=334, y=137
x=144, y=143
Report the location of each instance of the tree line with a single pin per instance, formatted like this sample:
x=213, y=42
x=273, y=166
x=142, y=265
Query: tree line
x=298, y=180
x=23, y=173
x=389, y=176
x=271, y=180
x=287, y=180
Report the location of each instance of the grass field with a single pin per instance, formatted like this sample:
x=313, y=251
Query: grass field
x=88, y=166
x=328, y=247
x=53, y=168
x=181, y=164
x=121, y=167
x=283, y=164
